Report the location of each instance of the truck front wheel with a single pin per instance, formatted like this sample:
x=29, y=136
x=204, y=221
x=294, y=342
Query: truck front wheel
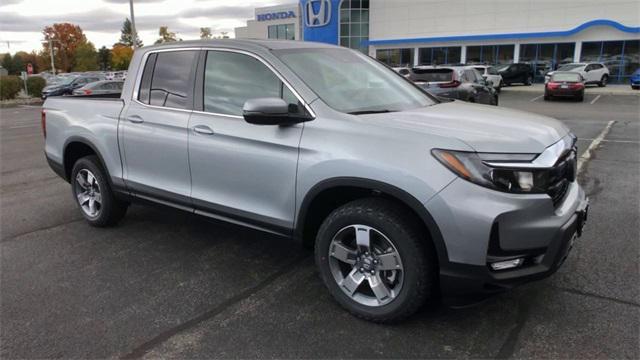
x=373, y=258
x=93, y=194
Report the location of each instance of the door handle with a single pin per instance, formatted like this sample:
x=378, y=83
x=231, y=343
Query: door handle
x=135, y=119
x=203, y=129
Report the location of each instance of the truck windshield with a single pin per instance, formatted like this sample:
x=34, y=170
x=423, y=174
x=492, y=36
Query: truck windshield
x=351, y=82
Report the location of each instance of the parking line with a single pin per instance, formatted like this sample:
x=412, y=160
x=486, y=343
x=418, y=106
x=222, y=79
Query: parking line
x=594, y=145
x=596, y=99
x=536, y=98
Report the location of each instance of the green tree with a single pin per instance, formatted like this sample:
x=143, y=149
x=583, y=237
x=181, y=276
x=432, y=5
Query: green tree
x=86, y=57
x=104, y=58
x=166, y=35
x=126, y=35
x=7, y=63
x=205, y=33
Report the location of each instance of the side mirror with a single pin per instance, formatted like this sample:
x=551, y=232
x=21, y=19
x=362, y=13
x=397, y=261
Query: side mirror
x=488, y=83
x=270, y=111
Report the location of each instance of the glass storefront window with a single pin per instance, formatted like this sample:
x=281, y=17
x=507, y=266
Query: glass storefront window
x=439, y=55
x=490, y=54
x=282, y=32
x=396, y=57
x=621, y=57
x=354, y=24
x=546, y=57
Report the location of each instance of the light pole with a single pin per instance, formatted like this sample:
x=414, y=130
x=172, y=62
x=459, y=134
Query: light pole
x=134, y=34
x=53, y=67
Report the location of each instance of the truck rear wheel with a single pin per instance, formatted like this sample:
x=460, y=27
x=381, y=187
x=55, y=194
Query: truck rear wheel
x=93, y=194
x=372, y=257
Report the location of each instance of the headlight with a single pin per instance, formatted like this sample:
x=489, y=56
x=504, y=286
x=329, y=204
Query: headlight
x=472, y=167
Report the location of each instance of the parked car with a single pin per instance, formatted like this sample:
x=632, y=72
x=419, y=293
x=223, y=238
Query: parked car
x=567, y=84
x=455, y=82
x=103, y=87
x=635, y=80
x=592, y=73
x=516, y=73
x=110, y=75
x=404, y=71
x=402, y=196
x=67, y=85
x=490, y=73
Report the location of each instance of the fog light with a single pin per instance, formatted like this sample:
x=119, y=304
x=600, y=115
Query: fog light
x=509, y=264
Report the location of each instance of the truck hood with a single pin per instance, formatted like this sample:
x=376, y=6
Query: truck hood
x=482, y=127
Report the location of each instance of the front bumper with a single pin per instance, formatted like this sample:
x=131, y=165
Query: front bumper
x=480, y=226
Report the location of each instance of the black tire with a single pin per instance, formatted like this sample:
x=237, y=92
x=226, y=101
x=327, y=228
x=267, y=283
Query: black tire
x=529, y=80
x=580, y=98
x=111, y=209
x=603, y=81
x=495, y=100
x=401, y=227
x=547, y=98
x=635, y=87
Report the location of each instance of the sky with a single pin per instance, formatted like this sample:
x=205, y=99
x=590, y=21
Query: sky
x=22, y=21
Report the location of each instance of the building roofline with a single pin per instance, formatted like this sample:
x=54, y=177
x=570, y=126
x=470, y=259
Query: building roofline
x=510, y=36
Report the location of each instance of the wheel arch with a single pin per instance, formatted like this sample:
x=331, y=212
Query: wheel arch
x=75, y=148
x=329, y=194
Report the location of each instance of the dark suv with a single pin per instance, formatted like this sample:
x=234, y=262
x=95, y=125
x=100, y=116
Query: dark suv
x=455, y=82
x=516, y=73
x=67, y=86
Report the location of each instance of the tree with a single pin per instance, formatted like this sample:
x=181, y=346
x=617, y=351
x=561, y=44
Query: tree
x=126, y=35
x=86, y=57
x=66, y=38
x=104, y=58
x=205, y=33
x=28, y=58
x=7, y=63
x=166, y=35
x=121, y=57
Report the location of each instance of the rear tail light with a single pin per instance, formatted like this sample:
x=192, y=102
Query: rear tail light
x=452, y=84
x=87, y=92
x=577, y=86
x=43, y=122
x=552, y=85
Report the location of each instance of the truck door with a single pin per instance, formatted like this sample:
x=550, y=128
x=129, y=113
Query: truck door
x=154, y=127
x=239, y=170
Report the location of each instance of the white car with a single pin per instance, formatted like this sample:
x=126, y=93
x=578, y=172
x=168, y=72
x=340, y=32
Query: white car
x=592, y=73
x=490, y=73
x=402, y=71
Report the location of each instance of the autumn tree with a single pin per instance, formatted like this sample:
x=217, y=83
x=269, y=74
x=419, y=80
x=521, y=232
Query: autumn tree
x=166, y=35
x=104, y=58
x=205, y=33
x=121, y=57
x=66, y=38
x=85, y=58
x=126, y=35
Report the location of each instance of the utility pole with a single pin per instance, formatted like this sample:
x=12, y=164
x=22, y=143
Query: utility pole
x=53, y=67
x=134, y=34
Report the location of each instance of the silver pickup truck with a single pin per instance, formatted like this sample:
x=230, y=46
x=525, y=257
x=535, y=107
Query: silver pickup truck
x=403, y=197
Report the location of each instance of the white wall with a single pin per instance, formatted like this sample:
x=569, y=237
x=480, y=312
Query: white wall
x=396, y=19
x=259, y=29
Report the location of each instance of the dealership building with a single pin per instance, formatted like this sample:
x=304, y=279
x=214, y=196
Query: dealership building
x=544, y=33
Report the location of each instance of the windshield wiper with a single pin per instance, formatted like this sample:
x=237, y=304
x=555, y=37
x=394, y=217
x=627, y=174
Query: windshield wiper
x=363, y=112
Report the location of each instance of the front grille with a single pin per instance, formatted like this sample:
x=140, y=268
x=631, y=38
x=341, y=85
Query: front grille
x=561, y=175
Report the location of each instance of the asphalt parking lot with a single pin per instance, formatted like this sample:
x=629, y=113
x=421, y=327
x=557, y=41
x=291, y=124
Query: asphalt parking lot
x=166, y=284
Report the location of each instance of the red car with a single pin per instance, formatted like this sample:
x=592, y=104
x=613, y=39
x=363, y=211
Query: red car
x=565, y=84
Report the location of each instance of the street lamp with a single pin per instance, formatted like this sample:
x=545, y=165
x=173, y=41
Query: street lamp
x=51, y=41
x=134, y=34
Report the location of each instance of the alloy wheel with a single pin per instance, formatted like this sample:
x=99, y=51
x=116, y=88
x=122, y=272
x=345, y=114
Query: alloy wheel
x=366, y=265
x=88, y=193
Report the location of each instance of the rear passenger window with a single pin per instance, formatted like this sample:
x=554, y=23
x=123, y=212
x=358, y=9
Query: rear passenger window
x=171, y=84
x=167, y=79
x=232, y=78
